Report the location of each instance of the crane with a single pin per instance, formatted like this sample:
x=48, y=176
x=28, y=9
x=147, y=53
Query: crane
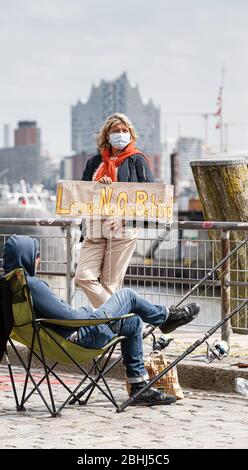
x=3, y=172
x=226, y=127
x=205, y=116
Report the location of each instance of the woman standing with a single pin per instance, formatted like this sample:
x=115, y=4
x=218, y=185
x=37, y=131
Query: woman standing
x=108, y=246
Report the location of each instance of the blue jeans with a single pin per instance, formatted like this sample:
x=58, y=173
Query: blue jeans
x=122, y=302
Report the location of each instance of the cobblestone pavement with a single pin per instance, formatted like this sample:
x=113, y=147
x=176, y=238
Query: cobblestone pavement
x=201, y=420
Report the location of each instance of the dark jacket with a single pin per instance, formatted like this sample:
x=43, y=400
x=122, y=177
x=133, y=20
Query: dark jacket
x=134, y=168
x=21, y=251
x=6, y=314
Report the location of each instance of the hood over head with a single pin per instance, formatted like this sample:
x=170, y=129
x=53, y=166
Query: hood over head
x=20, y=251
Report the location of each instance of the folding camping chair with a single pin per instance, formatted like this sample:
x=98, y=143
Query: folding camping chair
x=45, y=344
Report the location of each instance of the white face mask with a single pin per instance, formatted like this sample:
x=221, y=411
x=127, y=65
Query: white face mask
x=119, y=140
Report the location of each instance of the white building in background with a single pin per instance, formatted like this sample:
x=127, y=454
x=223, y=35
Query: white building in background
x=188, y=148
x=110, y=97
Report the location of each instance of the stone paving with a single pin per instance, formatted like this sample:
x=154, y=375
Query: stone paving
x=201, y=420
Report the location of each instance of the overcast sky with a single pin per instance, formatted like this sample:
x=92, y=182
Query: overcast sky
x=53, y=50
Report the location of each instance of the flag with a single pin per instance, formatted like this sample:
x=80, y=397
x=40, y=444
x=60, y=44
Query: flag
x=218, y=113
x=219, y=110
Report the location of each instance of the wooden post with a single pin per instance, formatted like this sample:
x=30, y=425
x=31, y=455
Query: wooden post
x=223, y=190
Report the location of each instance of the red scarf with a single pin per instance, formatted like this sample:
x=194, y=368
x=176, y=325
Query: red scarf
x=108, y=167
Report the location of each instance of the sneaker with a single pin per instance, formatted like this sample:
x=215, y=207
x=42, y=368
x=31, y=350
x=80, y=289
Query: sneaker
x=179, y=316
x=151, y=396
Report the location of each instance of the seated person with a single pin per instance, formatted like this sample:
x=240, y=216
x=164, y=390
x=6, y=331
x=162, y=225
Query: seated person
x=23, y=251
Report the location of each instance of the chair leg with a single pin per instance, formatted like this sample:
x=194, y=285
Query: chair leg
x=76, y=398
x=12, y=380
x=80, y=394
x=29, y=375
x=93, y=383
x=80, y=367
x=101, y=373
x=50, y=371
x=53, y=412
x=28, y=371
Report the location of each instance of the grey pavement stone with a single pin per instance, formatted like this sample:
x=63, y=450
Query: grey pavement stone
x=201, y=420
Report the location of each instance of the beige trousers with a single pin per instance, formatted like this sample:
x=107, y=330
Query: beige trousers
x=102, y=266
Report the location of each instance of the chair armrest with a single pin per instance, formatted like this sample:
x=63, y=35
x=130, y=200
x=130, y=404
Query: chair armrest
x=78, y=323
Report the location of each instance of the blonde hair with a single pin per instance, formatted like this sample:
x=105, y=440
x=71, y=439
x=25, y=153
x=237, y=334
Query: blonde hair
x=116, y=118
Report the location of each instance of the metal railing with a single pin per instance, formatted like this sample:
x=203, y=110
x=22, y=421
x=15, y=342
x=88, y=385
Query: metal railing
x=170, y=273
x=162, y=269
